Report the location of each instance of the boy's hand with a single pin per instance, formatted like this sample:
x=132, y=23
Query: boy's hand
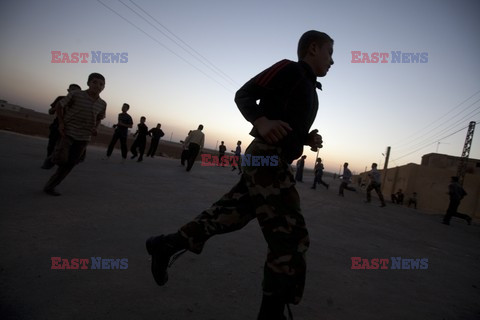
x=272, y=130
x=314, y=140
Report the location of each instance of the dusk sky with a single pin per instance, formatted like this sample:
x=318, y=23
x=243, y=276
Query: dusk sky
x=186, y=59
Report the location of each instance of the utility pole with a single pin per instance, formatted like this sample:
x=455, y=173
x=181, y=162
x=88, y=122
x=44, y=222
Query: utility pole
x=385, y=166
x=462, y=167
x=387, y=157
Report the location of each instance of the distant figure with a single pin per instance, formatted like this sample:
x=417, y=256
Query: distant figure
x=319, y=174
x=265, y=193
x=54, y=135
x=300, y=166
x=413, y=200
x=184, y=155
x=121, y=132
x=346, y=179
x=456, y=194
x=221, y=153
x=398, y=197
x=79, y=115
x=375, y=184
x=238, y=157
x=156, y=133
x=141, y=140
x=195, y=141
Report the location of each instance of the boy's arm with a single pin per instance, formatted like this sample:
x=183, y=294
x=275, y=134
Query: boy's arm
x=246, y=99
x=99, y=119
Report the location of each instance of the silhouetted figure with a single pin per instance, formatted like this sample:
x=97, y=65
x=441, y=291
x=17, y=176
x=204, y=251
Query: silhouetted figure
x=54, y=135
x=413, y=200
x=195, y=141
x=300, y=166
x=238, y=157
x=221, y=153
x=346, y=180
x=138, y=146
x=266, y=193
x=79, y=115
x=156, y=133
x=121, y=132
x=398, y=197
x=375, y=184
x=184, y=155
x=456, y=194
x=319, y=174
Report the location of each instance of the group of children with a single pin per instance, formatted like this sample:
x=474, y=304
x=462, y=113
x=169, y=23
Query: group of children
x=138, y=146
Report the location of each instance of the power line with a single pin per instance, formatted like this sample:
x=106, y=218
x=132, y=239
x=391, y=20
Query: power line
x=408, y=140
x=198, y=54
x=450, y=127
x=423, y=147
x=163, y=45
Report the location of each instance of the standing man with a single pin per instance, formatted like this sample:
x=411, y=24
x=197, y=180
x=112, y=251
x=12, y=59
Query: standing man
x=221, y=153
x=156, y=133
x=456, y=194
x=266, y=193
x=195, y=141
x=121, y=132
x=238, y=157
x=79, y=115
x=140, y=141
x=54, y=135
x=375, y=183
x=346, y=179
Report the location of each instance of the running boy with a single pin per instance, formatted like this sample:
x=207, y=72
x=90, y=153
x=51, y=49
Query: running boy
x=79, y=115
x=281, y=123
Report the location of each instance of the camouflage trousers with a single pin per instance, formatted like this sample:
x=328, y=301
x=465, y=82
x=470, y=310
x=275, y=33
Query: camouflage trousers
x=268, y=194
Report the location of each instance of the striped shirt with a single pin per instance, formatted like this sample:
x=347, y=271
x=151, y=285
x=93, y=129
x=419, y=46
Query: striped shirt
x=81, y=114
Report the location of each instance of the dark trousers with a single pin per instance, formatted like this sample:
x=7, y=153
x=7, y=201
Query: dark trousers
x=267, y=194
x=123, y=144
x=344, y=185
x=193, y=150
x=318, y=179
x=184, y=157
x=139, y=144
x=220, y=159
x=68, y=153
x=452, y=211
x=153, y=147
x=238, y=161
x=377, y=187
x=53, y=138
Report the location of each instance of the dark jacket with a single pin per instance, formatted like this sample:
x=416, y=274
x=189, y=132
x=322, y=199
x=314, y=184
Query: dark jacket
x=286, y=92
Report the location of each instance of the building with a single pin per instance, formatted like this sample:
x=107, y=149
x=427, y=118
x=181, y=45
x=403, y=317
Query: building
x=430, y=181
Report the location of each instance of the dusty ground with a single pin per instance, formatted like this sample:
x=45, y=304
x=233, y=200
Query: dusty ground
x=108, y=209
